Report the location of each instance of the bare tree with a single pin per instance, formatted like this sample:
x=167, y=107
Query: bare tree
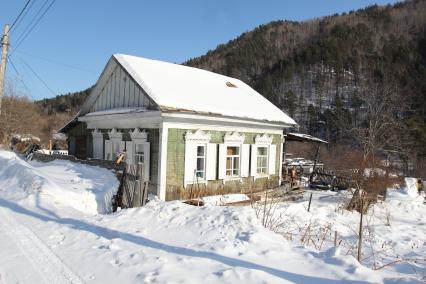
x=19, y=116
x=382, y=125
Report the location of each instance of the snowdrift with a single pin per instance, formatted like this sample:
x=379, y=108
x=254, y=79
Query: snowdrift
x=86, y=188
x=411, y=187
x=216, y=244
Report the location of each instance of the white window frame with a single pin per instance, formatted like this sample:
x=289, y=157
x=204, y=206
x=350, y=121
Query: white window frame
x=204, y=157
x=233, y=176
x=266, y=157
x=136, y=154
x=115, y=149
x=263, y=140
x=140, y=139
x=233, y=139
x=193, y=139
x=117, y=144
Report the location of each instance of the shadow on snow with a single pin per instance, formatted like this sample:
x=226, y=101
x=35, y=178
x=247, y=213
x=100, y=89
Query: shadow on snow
x=142, y=241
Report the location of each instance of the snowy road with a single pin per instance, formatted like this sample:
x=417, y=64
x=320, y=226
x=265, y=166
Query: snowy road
x=41, y=264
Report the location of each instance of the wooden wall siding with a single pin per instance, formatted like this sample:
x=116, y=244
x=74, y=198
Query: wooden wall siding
x=176, y=166
x=216, y=187
x=154, y=139
x=81, y=130
x=120, y=91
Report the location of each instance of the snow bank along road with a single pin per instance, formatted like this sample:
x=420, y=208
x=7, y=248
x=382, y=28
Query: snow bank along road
x=49, y=267
x=44, y=238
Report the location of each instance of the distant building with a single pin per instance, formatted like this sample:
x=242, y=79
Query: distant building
x=185, y=125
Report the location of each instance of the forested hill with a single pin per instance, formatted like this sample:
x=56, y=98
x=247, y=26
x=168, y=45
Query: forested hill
x=70, y=103
x=322, y=71
x=318, y=71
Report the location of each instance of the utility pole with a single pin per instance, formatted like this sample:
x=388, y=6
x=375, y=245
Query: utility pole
x=5, y=46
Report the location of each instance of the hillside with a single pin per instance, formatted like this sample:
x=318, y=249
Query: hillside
x=319, y=70
x=322, y=71
x=70, y=102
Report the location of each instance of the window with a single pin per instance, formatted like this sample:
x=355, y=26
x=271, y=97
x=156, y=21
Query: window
x=201, y=162
x=139, y=154
x=233, y=161
x=115, y=150
x=262, y=160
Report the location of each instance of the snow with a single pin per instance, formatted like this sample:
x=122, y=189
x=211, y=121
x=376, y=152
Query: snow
x=55, y=152
x=86, y=188
x=394, y=230
x=117, y=111
x=411, y=187
x=307, y=137
x=43, y=240
x=224, y=199
x=181, y=87
x=59, y=136
x=369, y=172
x=25, y=137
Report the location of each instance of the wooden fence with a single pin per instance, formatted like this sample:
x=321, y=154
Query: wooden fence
x=133, y=190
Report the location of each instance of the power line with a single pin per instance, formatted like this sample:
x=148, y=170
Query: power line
x=20, y=76
x=25, y=34
x=32, y=21
x=19, y=15
x=38, y=77
x=24, y=15
x=55, y=62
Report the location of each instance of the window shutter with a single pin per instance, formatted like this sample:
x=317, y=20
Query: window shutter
x=108, y=150
x=245, y=160
x=222, y=161
x=97, y=147
x=147, y=161
x=211, y=158
x=272, y=158
x=130, y=152
x=190, y=162
x=253, y=171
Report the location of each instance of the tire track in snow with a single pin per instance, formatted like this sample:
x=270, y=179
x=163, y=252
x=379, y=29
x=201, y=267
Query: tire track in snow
x=49, y=266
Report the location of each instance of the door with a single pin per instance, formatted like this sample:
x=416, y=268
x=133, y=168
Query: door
x=80, y=147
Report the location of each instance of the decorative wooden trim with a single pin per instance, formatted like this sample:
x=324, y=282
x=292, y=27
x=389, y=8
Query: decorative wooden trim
x=263, y=139
x=139, y=135
x=114, y=134
x=198, y=136
x=234, y=137
x=96, y=133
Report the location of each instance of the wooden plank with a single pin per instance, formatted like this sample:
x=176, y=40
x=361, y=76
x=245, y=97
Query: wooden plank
x=125, y=91
x=120, y=89
x=131, y=94
x=113, y=89
x=135, y=189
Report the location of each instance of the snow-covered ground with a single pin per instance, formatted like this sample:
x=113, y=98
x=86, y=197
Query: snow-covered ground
x=46, y=239
x=86, y=188
x=394, y=230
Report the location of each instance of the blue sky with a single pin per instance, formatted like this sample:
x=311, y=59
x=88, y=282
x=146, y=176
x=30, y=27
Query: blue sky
x=73, y=41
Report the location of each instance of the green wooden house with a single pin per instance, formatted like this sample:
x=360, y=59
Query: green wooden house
x=187, y=127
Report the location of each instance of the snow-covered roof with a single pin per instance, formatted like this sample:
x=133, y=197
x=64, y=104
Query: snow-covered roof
x=117, y=111
x=303, y=137
x=174, y=86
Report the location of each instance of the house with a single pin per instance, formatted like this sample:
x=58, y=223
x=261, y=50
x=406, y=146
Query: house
x=185, y=125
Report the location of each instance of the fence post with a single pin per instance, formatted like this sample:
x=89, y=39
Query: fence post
x=360, y=230
x=310, y=200
x=335, y=238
